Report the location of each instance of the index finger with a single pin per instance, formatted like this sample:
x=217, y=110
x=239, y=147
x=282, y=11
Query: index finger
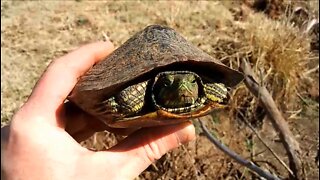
x=62, y=74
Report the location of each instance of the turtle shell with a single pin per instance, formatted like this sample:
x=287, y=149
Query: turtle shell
x=150, y=51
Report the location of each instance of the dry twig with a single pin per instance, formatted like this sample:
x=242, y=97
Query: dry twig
x=277, y=120
x=266, y=145
x=250, y=165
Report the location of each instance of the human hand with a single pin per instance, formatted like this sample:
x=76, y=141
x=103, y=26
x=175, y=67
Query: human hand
x=41, y=141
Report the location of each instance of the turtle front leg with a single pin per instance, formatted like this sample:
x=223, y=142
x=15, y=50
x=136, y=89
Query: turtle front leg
x=131, y=100
x=124, y=104
x=216, y=92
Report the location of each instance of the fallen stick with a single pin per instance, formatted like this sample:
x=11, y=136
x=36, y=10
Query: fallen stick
x=250, y=165
x=276, y=118
x=266, y=145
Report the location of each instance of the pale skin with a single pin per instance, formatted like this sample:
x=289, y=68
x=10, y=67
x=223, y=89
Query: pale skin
x=41, y=141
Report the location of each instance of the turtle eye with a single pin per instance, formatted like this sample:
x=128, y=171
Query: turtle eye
x=192, y=79
x=168, y=80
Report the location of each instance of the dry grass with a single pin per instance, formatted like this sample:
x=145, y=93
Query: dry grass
x=279, y=54
x=35, y=33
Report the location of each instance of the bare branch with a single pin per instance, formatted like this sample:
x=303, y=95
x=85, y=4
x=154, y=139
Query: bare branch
x=236, y=157
x=276, y=118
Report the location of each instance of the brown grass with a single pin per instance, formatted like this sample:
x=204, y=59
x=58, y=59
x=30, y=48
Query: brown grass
x=279, y=53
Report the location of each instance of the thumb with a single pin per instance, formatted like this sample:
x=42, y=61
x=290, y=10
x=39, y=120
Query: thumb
x=136, y=152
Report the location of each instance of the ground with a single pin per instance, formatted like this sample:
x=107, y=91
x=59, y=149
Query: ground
x=34, y=33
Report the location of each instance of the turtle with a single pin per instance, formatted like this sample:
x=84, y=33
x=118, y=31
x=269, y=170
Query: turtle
x=155, y=78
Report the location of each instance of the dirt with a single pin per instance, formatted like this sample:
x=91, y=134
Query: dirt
x=35, y=33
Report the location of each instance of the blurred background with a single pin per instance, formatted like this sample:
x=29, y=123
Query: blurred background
x=272, y=34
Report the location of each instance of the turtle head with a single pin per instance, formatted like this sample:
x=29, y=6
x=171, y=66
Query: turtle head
x=177, y=90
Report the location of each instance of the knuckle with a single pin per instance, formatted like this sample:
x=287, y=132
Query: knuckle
x=153, y=151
